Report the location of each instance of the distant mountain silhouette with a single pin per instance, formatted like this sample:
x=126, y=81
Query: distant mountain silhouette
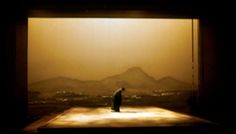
x=135, y=80
x=132, y=78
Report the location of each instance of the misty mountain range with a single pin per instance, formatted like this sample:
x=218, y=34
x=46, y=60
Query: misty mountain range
x=135, y=80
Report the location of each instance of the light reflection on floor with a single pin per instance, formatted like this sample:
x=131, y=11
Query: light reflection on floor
x=128, y=117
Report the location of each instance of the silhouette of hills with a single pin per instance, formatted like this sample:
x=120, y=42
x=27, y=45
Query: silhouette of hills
x=134, y=79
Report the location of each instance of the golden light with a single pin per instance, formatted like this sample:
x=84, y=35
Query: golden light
x=86, y=48
x=128, y=117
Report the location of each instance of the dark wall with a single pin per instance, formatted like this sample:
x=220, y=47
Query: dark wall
x=14, y=87
x=217, y=70
x=215, y=100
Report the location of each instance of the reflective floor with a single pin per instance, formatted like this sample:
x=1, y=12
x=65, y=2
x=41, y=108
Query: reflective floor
x=80, y=117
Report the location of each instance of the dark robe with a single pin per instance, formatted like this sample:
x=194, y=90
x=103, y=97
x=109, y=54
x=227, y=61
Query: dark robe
x=117, y=99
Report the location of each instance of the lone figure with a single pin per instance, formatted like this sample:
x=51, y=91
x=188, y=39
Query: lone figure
x=117, y=99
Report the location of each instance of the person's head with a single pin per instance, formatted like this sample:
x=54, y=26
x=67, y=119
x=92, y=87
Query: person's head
x=123, y=89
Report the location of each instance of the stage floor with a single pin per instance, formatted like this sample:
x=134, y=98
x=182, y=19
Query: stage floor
x=83, y=120
x=80, y=117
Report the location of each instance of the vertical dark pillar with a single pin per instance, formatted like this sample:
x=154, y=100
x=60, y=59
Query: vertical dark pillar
x=209, y=68
x=14, y=93
x=21, y=70
x=217, y=71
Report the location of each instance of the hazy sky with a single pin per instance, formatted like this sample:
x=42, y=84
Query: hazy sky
x=94, y=48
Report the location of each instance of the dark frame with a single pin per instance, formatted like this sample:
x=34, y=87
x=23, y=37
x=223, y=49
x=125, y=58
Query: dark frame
x=215, y=50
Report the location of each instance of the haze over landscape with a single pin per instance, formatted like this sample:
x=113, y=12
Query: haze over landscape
x=88, y=49
x=135, y=80
x=80, y=62
x=60, y=93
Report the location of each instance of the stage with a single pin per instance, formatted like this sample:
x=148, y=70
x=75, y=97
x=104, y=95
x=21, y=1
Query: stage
x=79, y=119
